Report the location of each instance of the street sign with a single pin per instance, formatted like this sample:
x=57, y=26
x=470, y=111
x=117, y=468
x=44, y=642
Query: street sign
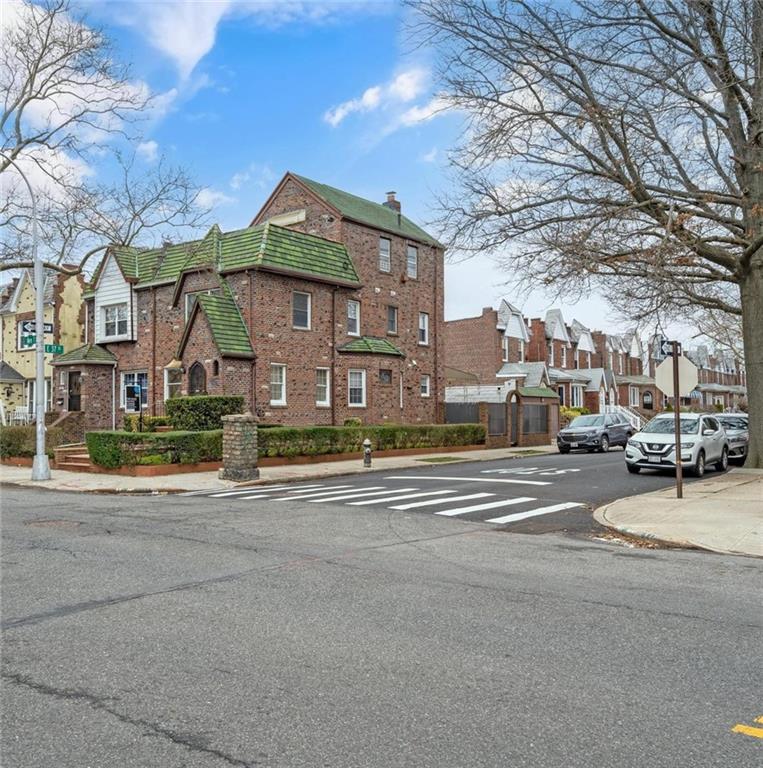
x=666, y=348
x=28, y=326
x=687, y=377
x=132, y=398
x=55, y=349
x=28, y=341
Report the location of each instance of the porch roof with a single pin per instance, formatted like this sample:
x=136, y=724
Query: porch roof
x=89, y=354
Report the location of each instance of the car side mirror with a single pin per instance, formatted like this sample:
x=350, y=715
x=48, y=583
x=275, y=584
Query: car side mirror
x=708, y=431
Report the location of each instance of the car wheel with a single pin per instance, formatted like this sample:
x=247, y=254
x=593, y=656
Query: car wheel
x=604, y=444
x=563, y=450
x=699, y=465
x=723, y=464
x=633, y=469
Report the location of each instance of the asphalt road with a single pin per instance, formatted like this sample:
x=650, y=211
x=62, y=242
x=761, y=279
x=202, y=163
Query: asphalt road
x=180, y=632
x=533, y=494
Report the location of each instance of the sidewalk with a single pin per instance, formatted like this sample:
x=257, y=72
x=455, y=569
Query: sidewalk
x=63, y=480
x=723, y=513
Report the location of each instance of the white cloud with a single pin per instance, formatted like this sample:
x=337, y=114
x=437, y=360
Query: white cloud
x=403, y=88
x=421, y=114
x=255, y=174
x=148, y=150
x=429, y=157
x=211, y=198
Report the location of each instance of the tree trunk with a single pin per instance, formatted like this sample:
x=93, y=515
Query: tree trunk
x=752, y=325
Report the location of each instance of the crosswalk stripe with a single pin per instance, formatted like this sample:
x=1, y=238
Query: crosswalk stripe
x=488, y=505
x=255, y=496
x=371, y=491
x=471, y=479
x=210, y=492
x=534, y=512
x=259, y=489
x=431, y=502
x=310, y=494
x=400, y=498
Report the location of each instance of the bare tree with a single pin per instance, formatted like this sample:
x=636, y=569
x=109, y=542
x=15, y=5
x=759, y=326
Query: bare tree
x=616, y=144
x=66, y=103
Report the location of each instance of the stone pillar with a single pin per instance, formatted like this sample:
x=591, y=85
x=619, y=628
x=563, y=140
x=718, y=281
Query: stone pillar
x=239, y=448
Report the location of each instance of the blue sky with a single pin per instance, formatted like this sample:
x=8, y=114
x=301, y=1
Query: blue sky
x=336, y=92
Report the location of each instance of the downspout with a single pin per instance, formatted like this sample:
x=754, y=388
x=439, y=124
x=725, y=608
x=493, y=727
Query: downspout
x=113, y=397
x=436, y=344
x=153, y=352
x=253, y=372
x=332, y=384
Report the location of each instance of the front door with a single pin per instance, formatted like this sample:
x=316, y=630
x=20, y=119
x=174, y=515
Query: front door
x=75, y=391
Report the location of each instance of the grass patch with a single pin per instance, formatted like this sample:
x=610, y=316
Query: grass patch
x=440, y=459
x=528, y=452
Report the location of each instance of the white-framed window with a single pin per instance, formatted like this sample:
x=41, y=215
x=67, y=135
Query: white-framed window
x=521, y=350
x=423, y=329
x=577, y=396
x=277, y=384
x=610, y=361
x=551, y=355
x=173, y=382
x=301, y=310
x=505, y=349
x=564, y=357
x=190, y=300
x=589, y=359
x=412, y=261
x=424, y=384
x=385, y=254
x=633, y=397
x=560, y=392
x=391, y=319
x=620, y=364
x=115, y=320
x=353, y=318
x=356, y=388
x=322, y=386
x=31, y=403
x=131, y=379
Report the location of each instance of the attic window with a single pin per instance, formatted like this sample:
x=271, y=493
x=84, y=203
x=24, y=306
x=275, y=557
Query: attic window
x=190, y=299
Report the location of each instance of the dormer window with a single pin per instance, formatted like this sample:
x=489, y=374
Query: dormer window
x=190, y=300
x=505, y=345
x=115, y=320
x=564, y=357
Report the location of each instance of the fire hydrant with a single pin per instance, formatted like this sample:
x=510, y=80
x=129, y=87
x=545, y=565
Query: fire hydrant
x=366, y=453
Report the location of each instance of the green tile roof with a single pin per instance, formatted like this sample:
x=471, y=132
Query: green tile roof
x=90, y=353
x=537, y=392
x=371, y=345
x=366, y=212
x=227, y=324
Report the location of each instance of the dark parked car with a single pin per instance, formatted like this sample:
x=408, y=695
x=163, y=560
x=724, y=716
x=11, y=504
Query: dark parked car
x=737, y=428
x=596, y=432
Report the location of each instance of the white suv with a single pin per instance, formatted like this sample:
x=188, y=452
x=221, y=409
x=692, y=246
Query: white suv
x=703, y=442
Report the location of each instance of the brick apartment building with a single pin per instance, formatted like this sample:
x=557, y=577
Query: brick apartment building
x=585, y=368
x=327, y=307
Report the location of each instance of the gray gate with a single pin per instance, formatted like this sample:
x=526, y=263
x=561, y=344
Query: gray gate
x=496, y=418
x=462, y=413
x=514, y=422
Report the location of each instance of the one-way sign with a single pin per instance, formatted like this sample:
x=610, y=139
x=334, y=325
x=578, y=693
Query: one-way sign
x=666, y=347
x=29, y=326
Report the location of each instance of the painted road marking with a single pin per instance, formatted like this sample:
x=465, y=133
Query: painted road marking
x=529, y=471
x=431, y=502
x=748, y=730
x=310, y=495
x=400, y=498
x=360, y=494
x=255, y=496
x=488, y=505
x=533, y=513
x=472, y=479
x=258, y=489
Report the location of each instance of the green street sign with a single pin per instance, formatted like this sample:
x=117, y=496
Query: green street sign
x=28, y=341
x=56, y=349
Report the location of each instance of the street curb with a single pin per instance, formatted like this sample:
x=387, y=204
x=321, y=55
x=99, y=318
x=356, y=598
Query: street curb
x=99, y=491
x=599, y=514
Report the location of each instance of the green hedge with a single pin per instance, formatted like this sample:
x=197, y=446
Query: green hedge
x=201, y=412
x=21, y=440
x=150, y=423
x=118, y=449
x=316, y=441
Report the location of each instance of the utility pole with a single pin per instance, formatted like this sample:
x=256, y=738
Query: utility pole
x=677, y=414
x=41, y=465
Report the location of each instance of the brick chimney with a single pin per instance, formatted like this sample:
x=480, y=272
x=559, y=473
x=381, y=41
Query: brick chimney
x=392, y=202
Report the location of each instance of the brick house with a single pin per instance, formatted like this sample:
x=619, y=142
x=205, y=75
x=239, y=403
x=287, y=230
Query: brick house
x=327, y=307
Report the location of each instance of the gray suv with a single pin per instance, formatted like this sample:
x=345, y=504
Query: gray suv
x=595, y=432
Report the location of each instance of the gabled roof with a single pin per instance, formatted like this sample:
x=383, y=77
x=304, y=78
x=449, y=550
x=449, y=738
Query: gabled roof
x=534, y=374
x=512, y=322
x=596, y=377
x=555, y=327
x=89, y=354
x=366, y=212
x=9, y=374
x=537, y=392
x=635, y=379
x=229, y=331
x=371, y=345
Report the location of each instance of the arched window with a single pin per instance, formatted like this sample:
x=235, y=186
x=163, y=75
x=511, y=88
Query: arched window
x=197, y=380
x=648, y=400
x=216, y=368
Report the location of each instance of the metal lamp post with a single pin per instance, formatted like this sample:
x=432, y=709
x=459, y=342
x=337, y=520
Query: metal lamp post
x=41, y=465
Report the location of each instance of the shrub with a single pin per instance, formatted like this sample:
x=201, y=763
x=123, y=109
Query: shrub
x=118, y=449
x=316, y=441
x=150, y=423
x=202, y=412
x=21, y=440
x=353, y=422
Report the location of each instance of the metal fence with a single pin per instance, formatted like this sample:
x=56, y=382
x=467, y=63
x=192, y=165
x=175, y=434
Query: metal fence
x=496, y=418
x=534, y=419
x=462, y=413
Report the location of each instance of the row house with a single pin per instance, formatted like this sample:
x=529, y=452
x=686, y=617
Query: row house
x=326, y=307
x=721, y=379
x=584, y=368
x=64, y=326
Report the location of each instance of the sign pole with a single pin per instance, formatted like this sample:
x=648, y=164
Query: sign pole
x=677, y=409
